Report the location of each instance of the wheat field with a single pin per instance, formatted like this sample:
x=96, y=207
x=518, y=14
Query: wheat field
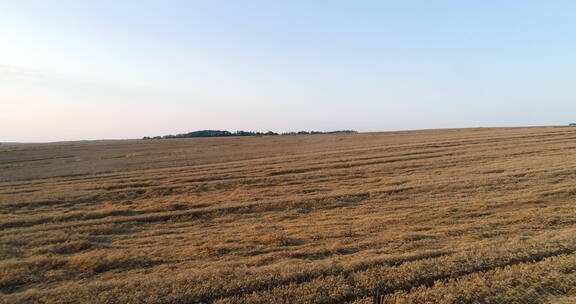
x=483, y=215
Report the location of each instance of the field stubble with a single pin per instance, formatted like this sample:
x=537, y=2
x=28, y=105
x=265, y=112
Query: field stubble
x=440, y=216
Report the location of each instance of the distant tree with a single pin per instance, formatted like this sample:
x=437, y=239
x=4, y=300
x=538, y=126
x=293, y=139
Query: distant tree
x=223, y=133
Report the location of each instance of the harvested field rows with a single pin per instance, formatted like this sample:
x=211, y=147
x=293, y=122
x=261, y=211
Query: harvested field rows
x=441, y=216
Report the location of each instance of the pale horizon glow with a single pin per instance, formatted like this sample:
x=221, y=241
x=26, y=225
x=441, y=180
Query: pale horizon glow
x=85, y=70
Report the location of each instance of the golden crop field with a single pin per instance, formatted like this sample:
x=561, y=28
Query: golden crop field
x=483, y=215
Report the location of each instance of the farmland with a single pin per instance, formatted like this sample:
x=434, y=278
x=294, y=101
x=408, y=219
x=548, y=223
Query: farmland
x=483, y=215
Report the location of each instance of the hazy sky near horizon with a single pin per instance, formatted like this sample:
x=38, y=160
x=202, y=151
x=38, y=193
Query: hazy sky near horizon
x=74, y=70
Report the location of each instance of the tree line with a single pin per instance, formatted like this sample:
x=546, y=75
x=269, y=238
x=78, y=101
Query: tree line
x=223, y=133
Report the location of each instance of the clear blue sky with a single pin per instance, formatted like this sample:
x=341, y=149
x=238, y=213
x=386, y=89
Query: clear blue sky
x=124, y=69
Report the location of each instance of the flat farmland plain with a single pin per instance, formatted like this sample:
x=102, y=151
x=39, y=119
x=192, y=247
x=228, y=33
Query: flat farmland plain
x=482, y=215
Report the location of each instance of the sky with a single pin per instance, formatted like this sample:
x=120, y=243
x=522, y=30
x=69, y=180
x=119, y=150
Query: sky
x=74, y=70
